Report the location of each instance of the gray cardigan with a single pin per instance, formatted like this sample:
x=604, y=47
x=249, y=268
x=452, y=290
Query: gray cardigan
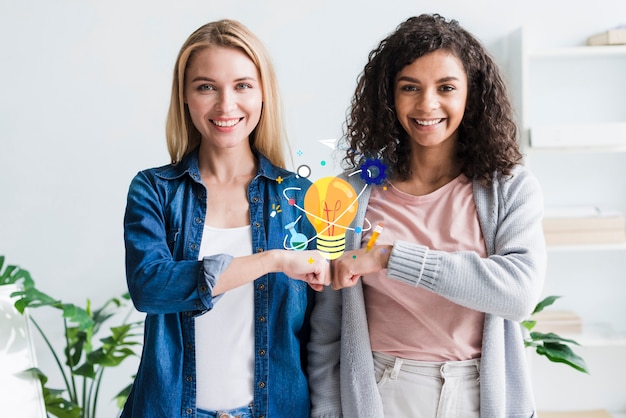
x=506, y=286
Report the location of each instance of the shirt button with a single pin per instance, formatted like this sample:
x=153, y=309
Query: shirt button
x=257, y=224
x=189, y=411
x=187, y=313
x=261, y=287
x=203, y=288
x=194, y=246
x=189, y=378
x=262, y=385
x=262, y=352
x=259, y=250
x=255, y=199
x=198, y=220
x=261, y=318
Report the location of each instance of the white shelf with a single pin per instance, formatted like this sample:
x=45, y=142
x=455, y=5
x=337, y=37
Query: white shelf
x=579, y=51
x=578, y=149
x=572, y=99
x=587, y=248
x=597, y=335
x=568, y=86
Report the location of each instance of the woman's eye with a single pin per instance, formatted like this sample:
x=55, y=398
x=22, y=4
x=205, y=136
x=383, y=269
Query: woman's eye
x=447, y=88
x=205, y=87
x=408, y=87
x=243, y=86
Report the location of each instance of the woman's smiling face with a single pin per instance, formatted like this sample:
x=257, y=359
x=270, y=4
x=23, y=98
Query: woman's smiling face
x=224, y=95
x=430, y=96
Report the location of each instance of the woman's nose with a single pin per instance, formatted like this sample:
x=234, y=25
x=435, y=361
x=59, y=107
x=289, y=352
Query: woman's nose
x=427, y=101
x=226, y=101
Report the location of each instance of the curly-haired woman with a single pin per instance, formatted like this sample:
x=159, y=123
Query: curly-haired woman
x=426, y=323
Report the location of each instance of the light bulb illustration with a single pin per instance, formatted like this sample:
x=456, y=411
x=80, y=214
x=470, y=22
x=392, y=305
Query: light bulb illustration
x=330, y=204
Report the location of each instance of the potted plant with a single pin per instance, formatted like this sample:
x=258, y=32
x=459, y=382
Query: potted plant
x=551, y=345
x=82, y=362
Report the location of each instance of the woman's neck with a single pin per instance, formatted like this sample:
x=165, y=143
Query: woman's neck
x=226, y=165
x=430, y=170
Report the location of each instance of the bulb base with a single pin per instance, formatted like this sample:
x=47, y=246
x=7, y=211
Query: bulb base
x=331, y=247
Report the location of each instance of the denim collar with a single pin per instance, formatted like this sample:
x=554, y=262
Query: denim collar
x=189, y=165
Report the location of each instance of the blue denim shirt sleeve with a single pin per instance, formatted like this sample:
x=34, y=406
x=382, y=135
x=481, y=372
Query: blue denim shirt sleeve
x=157, y=282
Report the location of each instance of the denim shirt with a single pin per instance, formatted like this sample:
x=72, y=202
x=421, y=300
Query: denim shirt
x=163, y=225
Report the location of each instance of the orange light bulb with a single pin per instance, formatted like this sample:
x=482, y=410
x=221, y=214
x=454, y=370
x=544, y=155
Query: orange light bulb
x=330, y=204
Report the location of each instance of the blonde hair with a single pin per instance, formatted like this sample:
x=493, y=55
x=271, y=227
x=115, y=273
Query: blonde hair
x=269, y=135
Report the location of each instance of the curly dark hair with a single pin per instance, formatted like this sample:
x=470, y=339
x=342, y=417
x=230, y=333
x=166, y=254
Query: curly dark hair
x=487, y=135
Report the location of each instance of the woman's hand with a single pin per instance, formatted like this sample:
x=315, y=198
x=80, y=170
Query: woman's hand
x=347, y=269
x=309, y=266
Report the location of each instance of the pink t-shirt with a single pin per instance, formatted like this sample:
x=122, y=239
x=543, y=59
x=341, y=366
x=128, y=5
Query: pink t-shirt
x=412, y=322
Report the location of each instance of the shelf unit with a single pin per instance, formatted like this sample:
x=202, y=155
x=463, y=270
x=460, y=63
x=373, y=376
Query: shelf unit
x=571, y=109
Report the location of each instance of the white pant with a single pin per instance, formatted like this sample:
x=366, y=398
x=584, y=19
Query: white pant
x=423, y=389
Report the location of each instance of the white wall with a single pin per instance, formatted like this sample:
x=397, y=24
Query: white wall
x=84, y=89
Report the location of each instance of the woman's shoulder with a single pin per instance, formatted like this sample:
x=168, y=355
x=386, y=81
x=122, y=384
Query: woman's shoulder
x=519, y=174
x=519, y=183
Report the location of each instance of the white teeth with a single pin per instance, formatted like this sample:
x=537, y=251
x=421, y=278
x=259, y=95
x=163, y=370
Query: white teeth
x=226, y=123
x=428, y=122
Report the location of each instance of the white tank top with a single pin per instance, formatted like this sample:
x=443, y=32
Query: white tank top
x=225, y=334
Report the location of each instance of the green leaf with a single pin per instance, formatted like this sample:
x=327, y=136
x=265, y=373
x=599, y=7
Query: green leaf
x=121, y=397
x=550, y=337
x=31, y=297
x=561, y=353
x=14, y=274
x=545, y=303
x=53, y=400
x=86, y=370
x=76, y=345
x=77, y=315
x=529, y=324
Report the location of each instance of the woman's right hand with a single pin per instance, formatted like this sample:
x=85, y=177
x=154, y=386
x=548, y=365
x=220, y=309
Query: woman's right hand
x=351, y=265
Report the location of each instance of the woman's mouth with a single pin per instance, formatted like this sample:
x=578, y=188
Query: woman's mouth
x=225, y=123
x=427, y=122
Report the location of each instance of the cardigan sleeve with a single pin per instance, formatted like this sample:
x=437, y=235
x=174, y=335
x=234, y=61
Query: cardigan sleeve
x=508, y=282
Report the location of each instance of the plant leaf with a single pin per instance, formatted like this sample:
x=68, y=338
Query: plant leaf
x=14, y=274
x=121, y=397
x=549, y=300
x=551, y=337
x=529, y=324
x=31, y=297
x=561, y=353
x=53, y=400
x=77, y=315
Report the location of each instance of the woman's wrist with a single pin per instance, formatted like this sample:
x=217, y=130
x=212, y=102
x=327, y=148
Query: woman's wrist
x=269, y=260
x=383, y=252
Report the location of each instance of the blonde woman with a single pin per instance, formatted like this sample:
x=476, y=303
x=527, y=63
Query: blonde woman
x=227, y=305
